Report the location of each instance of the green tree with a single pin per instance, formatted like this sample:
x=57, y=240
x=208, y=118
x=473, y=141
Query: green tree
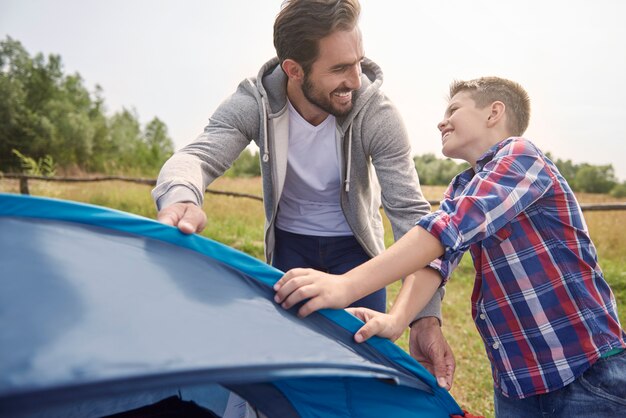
x=619, y=190
x=101, y=149
x=44, y=112
x=159, y=145
x=435, y=171
x=247, y=165
x=595, y=179
x=124, y=142
x=16, y=120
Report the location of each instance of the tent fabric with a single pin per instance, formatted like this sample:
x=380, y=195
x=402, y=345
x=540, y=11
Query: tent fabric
x=102, y=311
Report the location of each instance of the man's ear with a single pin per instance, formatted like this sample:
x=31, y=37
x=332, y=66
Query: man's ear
x=496, y=114
x=293, y=70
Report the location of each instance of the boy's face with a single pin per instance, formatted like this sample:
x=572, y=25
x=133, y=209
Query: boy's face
x=463, y=128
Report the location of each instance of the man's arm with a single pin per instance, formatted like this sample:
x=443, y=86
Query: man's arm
x=179, y=192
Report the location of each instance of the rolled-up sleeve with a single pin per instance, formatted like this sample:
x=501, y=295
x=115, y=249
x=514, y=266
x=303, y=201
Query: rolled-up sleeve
x=440, y=226
x=505, y=187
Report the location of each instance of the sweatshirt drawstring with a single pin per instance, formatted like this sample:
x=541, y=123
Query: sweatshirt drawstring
x=266, y=152
x=349, y=163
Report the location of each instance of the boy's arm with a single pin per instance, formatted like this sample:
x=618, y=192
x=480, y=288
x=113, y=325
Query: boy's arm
x=409, y=254
x=414, y=294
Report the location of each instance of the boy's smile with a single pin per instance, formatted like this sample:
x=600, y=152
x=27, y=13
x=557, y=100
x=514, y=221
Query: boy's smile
x=444, y=134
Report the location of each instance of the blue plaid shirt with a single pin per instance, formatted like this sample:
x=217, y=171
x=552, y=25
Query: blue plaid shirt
x=540, y=301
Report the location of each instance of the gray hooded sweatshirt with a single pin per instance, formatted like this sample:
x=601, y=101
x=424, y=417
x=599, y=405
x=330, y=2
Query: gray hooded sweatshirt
x=372, y=142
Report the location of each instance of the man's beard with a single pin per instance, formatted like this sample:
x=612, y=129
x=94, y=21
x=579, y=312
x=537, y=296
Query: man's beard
x=320, y=100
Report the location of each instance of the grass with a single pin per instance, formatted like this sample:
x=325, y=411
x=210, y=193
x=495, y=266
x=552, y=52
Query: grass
x=238, y=222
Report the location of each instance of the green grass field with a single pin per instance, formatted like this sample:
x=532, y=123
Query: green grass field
x=238, y=222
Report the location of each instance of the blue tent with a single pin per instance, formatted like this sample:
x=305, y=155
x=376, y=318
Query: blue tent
x=103, y=312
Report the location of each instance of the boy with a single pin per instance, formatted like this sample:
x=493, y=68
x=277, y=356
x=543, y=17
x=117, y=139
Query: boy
x=546, y=315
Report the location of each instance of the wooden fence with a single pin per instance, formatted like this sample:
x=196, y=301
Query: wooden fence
x=23, y=178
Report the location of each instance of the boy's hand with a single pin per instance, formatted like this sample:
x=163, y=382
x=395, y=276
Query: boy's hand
x=323, y=290
x=376, y=323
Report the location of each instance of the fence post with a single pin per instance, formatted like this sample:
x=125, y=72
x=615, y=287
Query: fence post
x=24, y=186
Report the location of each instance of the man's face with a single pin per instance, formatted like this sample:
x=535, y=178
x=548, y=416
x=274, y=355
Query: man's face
x=336, y=73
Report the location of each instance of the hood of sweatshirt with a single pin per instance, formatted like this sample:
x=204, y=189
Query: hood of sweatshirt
x=272, y=84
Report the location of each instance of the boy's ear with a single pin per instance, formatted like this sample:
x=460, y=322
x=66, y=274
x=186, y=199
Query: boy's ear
x=496, y=114
x=293, y=70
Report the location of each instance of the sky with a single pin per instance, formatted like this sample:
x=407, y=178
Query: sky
x=177, y=60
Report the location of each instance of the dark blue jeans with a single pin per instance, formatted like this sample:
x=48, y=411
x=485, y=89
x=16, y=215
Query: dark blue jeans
x=599, y=393
x=334, y=255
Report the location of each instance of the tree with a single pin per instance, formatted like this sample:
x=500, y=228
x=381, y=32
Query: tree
x=619, y=190
x=16, y=125
x=124, y=142
x=247, y=165
x=159, y=145
x=44, y=112
x=595, y=179
x=434, y=171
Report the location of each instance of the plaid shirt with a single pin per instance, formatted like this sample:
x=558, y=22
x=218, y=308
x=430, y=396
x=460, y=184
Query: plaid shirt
x=540, y=302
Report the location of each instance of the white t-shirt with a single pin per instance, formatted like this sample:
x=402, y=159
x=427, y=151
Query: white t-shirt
x=310, y=204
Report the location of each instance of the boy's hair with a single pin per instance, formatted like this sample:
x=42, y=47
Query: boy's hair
x=486, y=90
x=300, y=25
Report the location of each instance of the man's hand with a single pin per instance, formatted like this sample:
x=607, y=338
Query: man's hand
x=377, y=323
x=322, y=290
x=188, y=217
x=428, y=346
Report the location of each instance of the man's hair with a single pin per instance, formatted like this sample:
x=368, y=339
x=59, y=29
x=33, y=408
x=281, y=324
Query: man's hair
x=300, y=25
x=486, y=90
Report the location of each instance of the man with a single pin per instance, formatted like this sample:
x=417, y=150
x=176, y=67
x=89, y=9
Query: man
x=327, y=137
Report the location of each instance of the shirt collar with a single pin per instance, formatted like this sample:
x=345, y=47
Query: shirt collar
x=491, y=152
x=464, y=177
